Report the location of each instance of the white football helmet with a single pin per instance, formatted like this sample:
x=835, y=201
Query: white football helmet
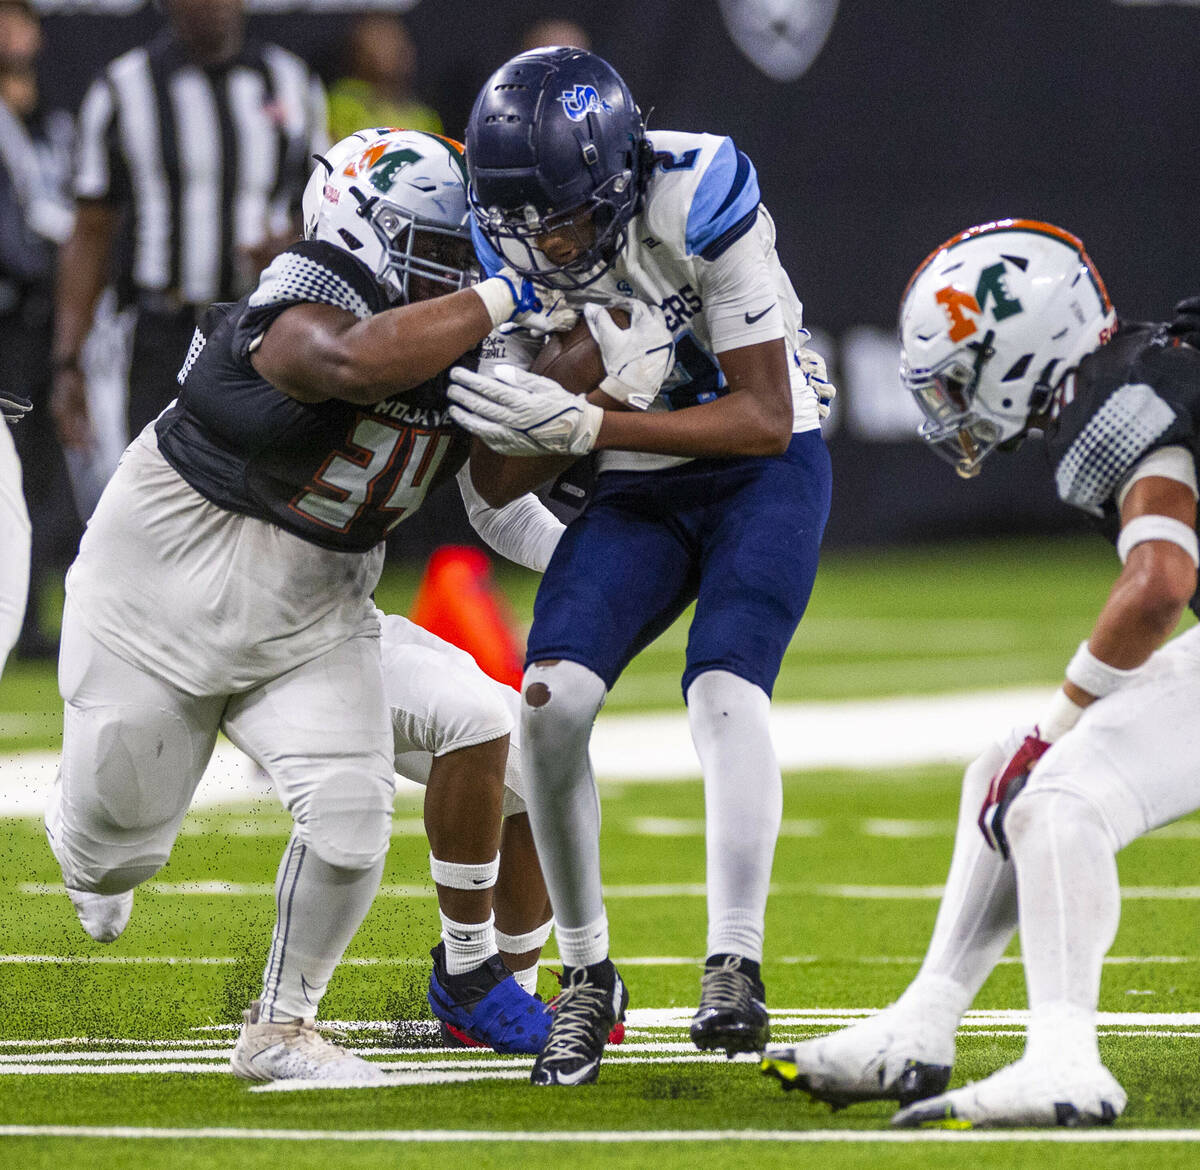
x=396, y=200
x=991, y=324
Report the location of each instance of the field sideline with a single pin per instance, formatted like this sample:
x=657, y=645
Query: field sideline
x=114, y=1055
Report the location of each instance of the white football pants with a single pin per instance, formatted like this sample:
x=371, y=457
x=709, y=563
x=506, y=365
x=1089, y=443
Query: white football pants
x=1130, y=765
x=14, y=546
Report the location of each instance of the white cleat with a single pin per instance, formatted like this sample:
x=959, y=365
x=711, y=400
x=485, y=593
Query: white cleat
x=885, y=1058
x=295, y=1050
x=103, y=916
x=1026, y=1093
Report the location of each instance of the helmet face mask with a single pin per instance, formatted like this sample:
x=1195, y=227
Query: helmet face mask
x=396, y=200
x=417, y=255
x=991, y=326
x=955, y=428
x=556, y=147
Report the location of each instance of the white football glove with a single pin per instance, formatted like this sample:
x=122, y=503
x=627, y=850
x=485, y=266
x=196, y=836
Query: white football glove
x=518, y=413
x=554, y=316
x=513, y=301
x=812, y=366
x=636, y=359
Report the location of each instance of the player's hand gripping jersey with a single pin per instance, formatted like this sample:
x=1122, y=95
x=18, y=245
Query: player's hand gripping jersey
x=702, y=248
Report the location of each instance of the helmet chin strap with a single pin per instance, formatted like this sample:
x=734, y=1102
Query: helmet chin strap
x=968, y=466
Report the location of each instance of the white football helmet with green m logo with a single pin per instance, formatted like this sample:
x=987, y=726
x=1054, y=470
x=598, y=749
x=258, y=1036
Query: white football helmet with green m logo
x=397, y=201
x=991, y=325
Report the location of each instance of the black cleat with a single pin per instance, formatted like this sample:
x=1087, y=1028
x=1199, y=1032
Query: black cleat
x=733, y=1012
x=591, y=1004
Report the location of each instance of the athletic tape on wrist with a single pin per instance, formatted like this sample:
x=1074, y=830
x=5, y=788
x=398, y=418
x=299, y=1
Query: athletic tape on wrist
x=531, y=940
x=459, y=876
x=1088, y=673
x=497, y=297
x=1060, y=716
x=1155, y=527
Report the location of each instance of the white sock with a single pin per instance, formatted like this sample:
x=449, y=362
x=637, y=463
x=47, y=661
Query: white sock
x=1070, y=903
x=743, y=806
x=527, y=979
x=558, y=707
x=937, y=1002
x=580, y=946
x=467, y=943
x=319, y=907
x=1062, y=1033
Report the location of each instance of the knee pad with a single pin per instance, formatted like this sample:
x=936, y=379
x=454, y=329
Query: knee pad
x=559, y=702
x=1038, y=809
x=126, y=780
x=346, y=819
x=127, y=768
x=559, y=698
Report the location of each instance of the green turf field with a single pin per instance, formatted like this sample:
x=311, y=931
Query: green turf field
x=132, y=1038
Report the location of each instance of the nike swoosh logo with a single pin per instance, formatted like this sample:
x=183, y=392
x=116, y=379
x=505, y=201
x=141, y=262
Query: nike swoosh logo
x=758, y=316
x=573, y=1078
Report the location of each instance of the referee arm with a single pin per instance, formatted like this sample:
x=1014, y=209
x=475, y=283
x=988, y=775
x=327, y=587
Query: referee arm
x=83, y=270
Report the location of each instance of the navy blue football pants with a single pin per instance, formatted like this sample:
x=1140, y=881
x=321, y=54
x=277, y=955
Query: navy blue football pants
x=740, y=537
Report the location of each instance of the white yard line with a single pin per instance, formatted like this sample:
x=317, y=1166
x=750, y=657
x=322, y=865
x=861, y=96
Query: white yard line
x=1105, y=1136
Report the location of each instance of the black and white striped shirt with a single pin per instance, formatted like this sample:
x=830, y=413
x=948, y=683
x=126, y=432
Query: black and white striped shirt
x=209, y=160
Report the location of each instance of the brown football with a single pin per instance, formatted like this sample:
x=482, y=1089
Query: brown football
x=573, y=359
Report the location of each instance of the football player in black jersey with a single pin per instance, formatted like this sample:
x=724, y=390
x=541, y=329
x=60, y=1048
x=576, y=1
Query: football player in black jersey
x=1007, y=328
x=224, y=584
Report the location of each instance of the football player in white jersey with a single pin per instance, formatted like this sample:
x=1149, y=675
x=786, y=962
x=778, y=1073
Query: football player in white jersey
x=1007, y=327
x=713, y=487
x=224, y=584
x=15, y=532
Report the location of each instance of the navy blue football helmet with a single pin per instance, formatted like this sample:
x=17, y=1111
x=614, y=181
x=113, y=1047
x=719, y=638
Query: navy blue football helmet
x=554, y=139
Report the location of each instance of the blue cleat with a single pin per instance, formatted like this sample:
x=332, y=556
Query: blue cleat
x=486, y=1007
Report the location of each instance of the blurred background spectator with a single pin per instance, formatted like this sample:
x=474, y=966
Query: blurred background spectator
x=555, y=30
x=193, y=153
x=35, y=218
x=378, y=84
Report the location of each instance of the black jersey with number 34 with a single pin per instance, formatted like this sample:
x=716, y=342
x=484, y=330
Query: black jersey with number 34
x=1132, y=396
x=335, y=473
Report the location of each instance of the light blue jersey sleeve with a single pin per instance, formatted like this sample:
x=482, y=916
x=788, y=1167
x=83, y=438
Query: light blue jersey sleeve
x=724, y=203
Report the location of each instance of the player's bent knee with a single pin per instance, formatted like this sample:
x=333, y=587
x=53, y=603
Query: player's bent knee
x=1037, y=813
x=565, y=692
x=98, y=857
x=121, y=877
x=347, y=821
x=104, y=868
x=129, y=768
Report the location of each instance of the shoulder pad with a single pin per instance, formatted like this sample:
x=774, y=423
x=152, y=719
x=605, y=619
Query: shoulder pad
x=717, y=196
x=316, y=271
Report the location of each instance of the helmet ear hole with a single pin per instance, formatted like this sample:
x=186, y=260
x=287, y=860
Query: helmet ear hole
x=351, y=242
x=1018, y=368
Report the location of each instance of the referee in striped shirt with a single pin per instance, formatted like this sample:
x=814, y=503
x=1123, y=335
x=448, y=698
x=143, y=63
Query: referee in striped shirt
x=193, y=154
